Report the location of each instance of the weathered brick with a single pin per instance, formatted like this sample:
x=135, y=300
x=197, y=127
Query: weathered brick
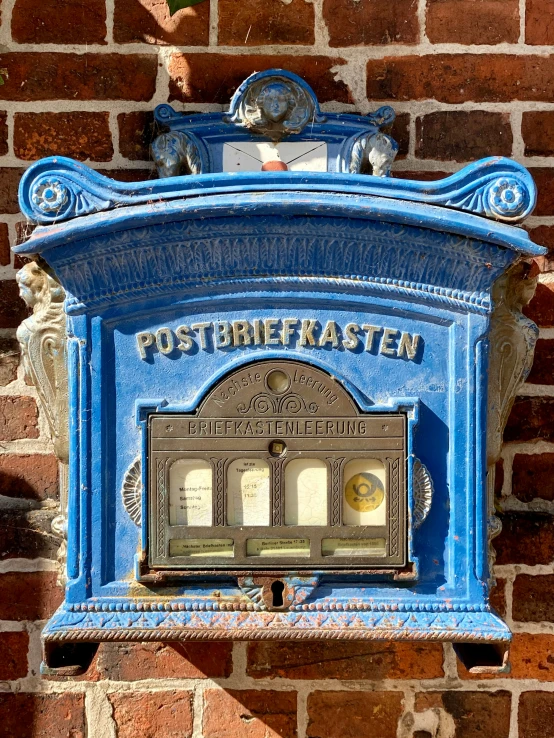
x=18, y=418
x=545, y=190
x=29, y=595
x=353, y=714
x=539, y=25
x=9, y=359
x=475, y=714
x=497, y=597
x=261, y=22
x=533, y=599
x=59, y=22
x=79, y=135
x=26, y=534
x=24, y=715
x=526, y=538
x=3, y=133
x=12, y=308
x=537, y=129
x=457, y=78
x=472, y=21
x=148, y=21
x=531, y=657
x=9, y=182
x=32, y=476
x=213, y=78
x=345, y=660
x=400, y=131
x=498, y=477
x=542, y=369
x=130, y=662
x=153, y=714
x=368, y=22
x=136, y=133
x=55, y=76
x=13, y=655
x=463, y=135
x=536, y=714
x=249, y=714
x=4, y=245
x=532, y=418
x=533, y=476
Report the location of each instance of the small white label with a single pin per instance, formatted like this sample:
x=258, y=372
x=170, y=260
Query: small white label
x=201, y=547
x=278, y=547
x=248, y=497
x=190, y=492
x=353, y=547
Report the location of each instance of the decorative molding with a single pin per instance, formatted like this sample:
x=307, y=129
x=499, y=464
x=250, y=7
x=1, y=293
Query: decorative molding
x=177, y=152
x=42, y=338
x=131, y=491
x=275, y=104
x=394, y=517
x=290, y=404
x=512, y=337
x=422, y=493
x=374, y=150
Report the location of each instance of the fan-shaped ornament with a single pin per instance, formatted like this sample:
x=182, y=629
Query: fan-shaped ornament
x=132, y=491
x=423, y=492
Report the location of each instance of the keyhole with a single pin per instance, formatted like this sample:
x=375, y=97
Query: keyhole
x=277, y=590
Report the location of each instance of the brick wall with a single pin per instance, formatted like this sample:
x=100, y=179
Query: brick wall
x=468, y=78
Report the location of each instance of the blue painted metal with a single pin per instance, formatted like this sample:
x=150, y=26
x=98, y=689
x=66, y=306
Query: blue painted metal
x=419, y=257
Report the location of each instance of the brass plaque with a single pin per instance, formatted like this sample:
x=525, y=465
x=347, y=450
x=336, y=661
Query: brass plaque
x=278, y=470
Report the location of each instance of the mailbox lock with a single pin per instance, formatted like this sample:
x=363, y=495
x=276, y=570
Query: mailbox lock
x=277, y=448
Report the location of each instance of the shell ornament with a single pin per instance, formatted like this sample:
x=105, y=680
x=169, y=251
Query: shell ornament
x=132, y=491
x=423, y=492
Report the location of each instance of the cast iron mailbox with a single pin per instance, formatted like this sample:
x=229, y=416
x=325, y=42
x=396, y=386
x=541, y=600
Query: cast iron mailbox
x=287, y=377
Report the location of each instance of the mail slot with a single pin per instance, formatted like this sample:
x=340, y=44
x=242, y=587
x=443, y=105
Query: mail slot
x=277, y=379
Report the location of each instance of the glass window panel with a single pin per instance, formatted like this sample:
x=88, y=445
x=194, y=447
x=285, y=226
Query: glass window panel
x=190, y=492
x=201, y=547
x=248, y=497
x=306, y=492
x=364, y=492
x=278, y=547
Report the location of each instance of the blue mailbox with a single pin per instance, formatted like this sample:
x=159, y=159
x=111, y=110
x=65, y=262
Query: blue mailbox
x=277, y=379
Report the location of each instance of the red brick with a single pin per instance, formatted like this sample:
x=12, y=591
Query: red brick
x=475, y=714
x=27, y=533
x=53, y=76
x=533, y=599
x=537, y=129
x=136, y=132
x=31, y=476
x=533, y=476
x=9, y=359
x=148, y=21
x=345, y=660
x=369, y=22
x=541, y=307
x=497, y=597
x=542, y=369
x=29, y=595
x=526, y=538
x=249, y=714
x=59, y=22
x=12, y=308
x=544, y=179
x=260, y=22
x=18, y=418
x=531, y=657
x=353, y=714
x=458, y=78
x=9, y=182
x=539, y=22
x=472, y=21
x=532, y=418
x=544, y=236
x=130, y=662
x=79, y=135
x=25, y=715
x=463, y=136
x=400, y=131
x=13, y=655
x=3, y=133
x=212, y=78
x=153, y=714
x=4, y=245
x=536, y=714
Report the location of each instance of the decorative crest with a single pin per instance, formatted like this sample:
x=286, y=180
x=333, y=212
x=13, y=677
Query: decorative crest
x=274, y=103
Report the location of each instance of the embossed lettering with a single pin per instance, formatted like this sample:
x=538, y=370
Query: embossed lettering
x=371, y=331
x=351, y=340
x=329, y=335
x=185, y=341
x=144, y=340
x=408, y=345
x=201, y=328
x=222, y=334
x=288, y=329
x=389, y=337
x=307, y=332
x=270, y=326
x=164, y=341
x=241, y=332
